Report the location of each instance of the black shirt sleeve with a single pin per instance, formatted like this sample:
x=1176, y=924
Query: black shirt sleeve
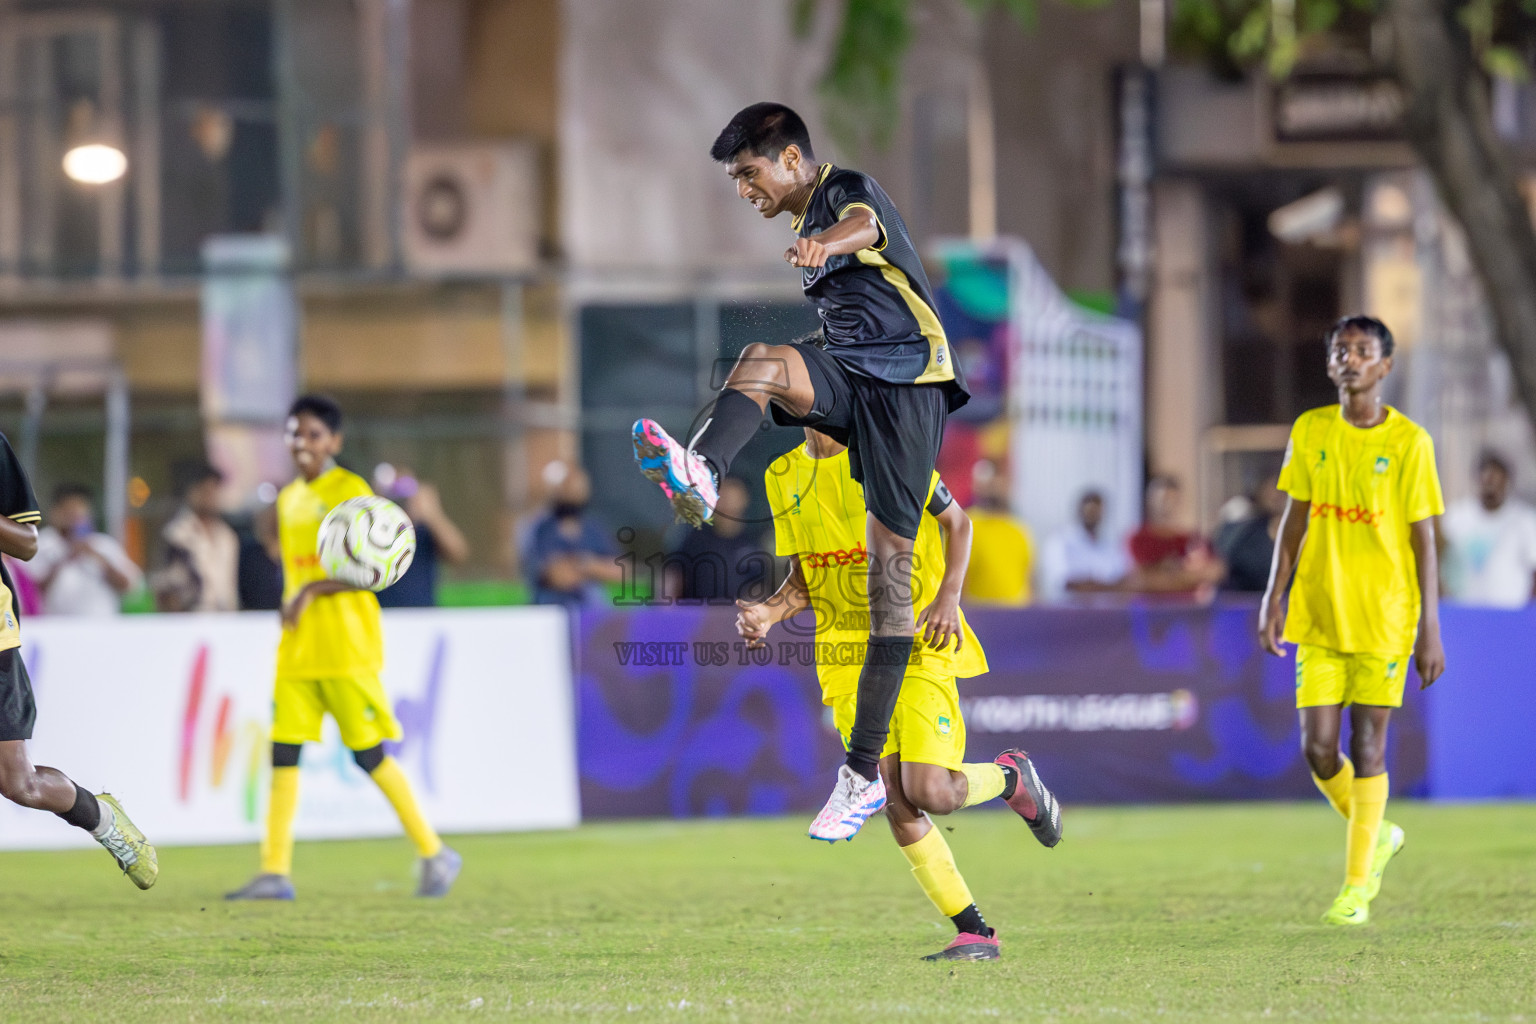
x=846, y=189
x=17, y=502
x=941, y=500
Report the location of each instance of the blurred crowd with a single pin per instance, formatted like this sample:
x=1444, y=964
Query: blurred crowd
x=207, y=561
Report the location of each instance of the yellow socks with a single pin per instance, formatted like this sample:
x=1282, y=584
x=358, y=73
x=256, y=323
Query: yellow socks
x=985, y=782
x=282, y=808
x=392, y=781
x=1338, y=788
x=934, y=868
x=1368, y=803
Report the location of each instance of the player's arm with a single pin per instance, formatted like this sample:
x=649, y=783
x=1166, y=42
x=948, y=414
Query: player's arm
x=755, y=618
x=1428, y=652
x=858, y=228
x=1293, y=530
x=940, y=621
x=295, y=606
x=19, y=540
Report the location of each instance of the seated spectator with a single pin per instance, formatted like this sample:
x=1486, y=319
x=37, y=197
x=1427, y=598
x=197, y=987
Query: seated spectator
x=1169, y=559
x=1083, y=558
x=568, y=557
x=201, y=573
x=1490, y=543
x=1248, y=545
x=78, y=570
x=720, y=562
x=261, y=562
x=1002, y=550
x=438, y=538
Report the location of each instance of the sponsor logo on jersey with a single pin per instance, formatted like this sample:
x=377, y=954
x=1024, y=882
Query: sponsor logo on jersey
x=1381, y=464
x=832, y=559
x=1358, y=514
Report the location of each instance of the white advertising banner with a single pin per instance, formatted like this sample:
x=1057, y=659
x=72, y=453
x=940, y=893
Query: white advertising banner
x=171, y=713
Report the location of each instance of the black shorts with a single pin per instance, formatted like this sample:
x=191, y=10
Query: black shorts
x=17, y=711
x=893, y=433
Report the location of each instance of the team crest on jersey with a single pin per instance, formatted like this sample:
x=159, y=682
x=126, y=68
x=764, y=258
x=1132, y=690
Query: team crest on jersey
x=939, y=356
x=944, y=725
x=1381, y=464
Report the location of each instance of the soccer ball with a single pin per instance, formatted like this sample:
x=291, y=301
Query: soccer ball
x=367, y=542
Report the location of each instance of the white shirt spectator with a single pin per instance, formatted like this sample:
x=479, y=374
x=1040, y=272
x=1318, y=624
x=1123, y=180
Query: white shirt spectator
x=205, y=556
x=77, y=584
x=1073, y=555
x=1490, y=557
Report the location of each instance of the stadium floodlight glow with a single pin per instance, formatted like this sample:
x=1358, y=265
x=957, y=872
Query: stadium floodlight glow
x=95, y=164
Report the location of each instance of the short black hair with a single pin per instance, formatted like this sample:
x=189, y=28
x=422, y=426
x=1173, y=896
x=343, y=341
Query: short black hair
x=1365, y=325
x=1092, y=494
x=322, y=407
x=763, y=129
x=1490, y=458
x=70, y=489
x=193, y=472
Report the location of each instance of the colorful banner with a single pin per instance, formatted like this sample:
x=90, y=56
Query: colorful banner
x=1126, y=705
x=171, y=713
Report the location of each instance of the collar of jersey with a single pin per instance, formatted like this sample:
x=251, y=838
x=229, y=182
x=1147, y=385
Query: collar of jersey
x=826, y=169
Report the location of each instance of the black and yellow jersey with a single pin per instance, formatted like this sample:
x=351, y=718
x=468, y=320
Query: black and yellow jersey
x=19, y=504
x=877, y=309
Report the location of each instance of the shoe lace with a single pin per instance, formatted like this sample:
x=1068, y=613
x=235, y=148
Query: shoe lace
x=120, y=847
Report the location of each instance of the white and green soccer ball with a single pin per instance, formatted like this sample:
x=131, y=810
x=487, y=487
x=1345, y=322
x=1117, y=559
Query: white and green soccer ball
x=367, y=542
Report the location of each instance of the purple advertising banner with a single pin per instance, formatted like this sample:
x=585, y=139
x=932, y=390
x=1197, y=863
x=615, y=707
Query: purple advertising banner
x=1139, y=704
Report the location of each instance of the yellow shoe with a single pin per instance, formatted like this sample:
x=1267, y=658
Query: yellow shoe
x=128, y=846
x=1352, y=906
x=1388, y=843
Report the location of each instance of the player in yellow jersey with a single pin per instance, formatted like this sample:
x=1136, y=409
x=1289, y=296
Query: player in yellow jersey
x=1363, y=496
x=819, y=520
x=328, y=660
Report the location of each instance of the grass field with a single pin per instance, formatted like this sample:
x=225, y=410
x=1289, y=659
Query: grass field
x=1168, y=914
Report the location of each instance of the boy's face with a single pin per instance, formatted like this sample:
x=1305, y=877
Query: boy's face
x=311, y=443
x=766, y=183
x=1355, y=362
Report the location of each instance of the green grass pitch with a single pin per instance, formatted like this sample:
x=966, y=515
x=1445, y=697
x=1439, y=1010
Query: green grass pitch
x=1196, y=914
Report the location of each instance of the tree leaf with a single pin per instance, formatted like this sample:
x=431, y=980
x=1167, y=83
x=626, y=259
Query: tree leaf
x=1505, y=62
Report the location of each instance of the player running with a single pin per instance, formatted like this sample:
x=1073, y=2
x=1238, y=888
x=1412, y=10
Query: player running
x=883, y=386
x=1363, y=495
x=819, y=520
x=328, y=660
x=47, y=789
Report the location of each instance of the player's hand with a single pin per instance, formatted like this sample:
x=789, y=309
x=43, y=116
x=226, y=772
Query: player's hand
x=295, y=606
x=1272, y=627
x=806, y=252
x=940, y=622
x=753, y=623
x=1429, y=656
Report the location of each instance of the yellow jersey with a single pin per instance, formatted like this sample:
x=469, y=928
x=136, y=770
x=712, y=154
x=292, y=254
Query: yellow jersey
x=339, y=636
x=819, y=515
x=1002, y=555
x=1357, y=583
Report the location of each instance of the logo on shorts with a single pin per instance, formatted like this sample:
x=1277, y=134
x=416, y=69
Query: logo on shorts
x=1391, y=670
x=1381, y=464
x=943, y=725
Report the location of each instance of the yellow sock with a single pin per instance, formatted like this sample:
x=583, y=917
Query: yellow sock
x=1337, y=789
x=934, y=868
x=986, y=781
x=1369, y=803
x=392, y=781
x=282, y=808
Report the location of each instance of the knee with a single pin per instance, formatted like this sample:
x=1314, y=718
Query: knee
x=20, y=788
x=1322, y=755
x=934, y=795
x=370, y=759
x=759, y=363
x=1368, y=750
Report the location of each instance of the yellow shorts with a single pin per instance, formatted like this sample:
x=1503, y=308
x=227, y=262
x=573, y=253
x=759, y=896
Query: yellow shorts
x=1325, y=677
x=926, y=727
x=359, y=706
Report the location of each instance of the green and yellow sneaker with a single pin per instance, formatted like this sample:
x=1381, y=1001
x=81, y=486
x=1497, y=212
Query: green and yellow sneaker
x=1352, y=906
x=1388, y=843
x=128, y=846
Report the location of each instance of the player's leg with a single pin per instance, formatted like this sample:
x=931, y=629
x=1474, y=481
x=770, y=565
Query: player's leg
x=274, y=880
x=1373, y=841
x=439, y=864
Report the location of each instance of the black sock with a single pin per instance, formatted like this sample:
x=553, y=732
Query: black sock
x=970, y=920
x=731, y=425
x=1010, y=780
x=885, y=664
x=86, y=813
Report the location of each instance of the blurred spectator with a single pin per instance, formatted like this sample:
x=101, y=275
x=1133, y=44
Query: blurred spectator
x=719, y=562
x=568, y=557
x=1169, y=559
x=1248, y=545
x=1082, y=558
x=1490, y=543
x=1002, y=550
x=260, y=573
x=437, y=538
x=78, y=570
x=202, y=550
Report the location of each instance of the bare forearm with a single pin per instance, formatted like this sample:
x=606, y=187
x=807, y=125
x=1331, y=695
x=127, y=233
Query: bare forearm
x=1422, y=537
x=792, y=597
x=18, y=540
x=957, y=549
x=1293, y=530
x=858, y=230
